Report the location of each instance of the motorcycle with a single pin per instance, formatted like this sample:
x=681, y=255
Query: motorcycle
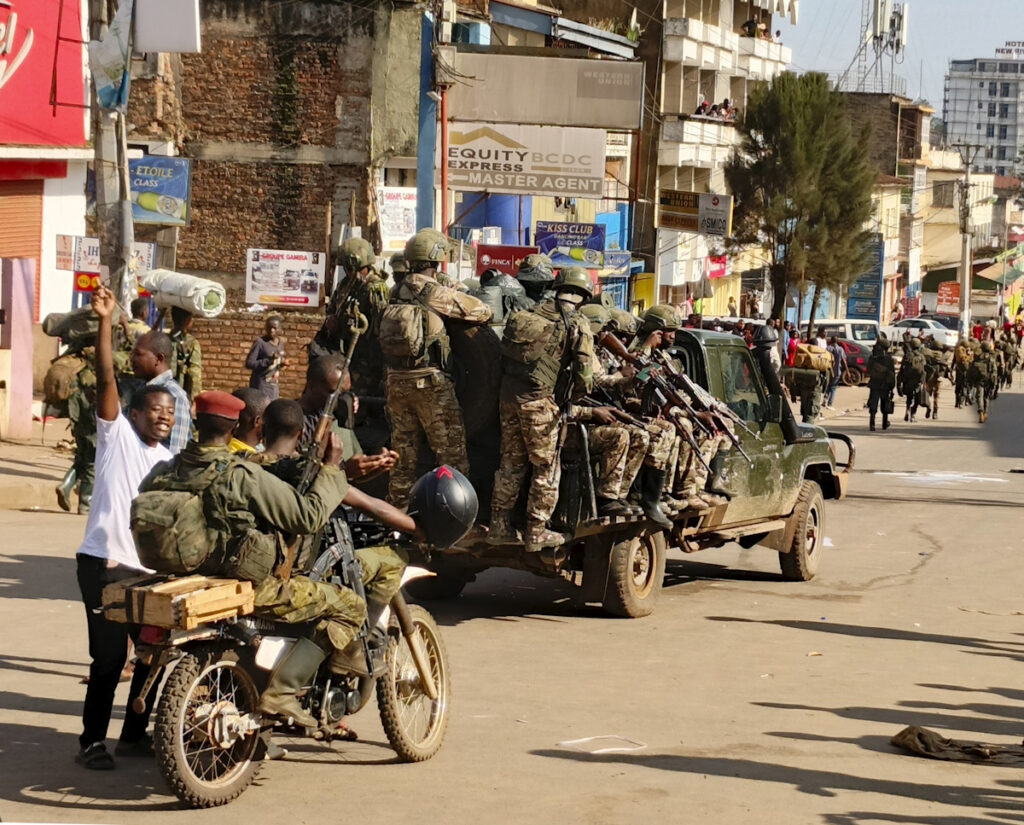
x=209, y=737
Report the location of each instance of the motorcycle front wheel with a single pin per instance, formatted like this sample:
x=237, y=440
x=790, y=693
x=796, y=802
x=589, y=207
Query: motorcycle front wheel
x=206, y=745
x=414, y=723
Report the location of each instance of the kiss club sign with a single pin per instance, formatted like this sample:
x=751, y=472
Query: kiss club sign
x=33, y=64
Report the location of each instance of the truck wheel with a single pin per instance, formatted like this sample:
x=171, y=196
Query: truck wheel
x=851, y=377
x=636, y=570
x=801, y=562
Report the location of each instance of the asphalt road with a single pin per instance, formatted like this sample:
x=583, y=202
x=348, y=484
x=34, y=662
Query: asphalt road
x=742, y=699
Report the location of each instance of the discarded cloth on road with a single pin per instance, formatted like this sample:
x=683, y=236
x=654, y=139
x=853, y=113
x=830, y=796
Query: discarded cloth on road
x=176, y=289
x=928, y=743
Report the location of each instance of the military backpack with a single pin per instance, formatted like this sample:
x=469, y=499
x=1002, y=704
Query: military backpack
x=195, y=525
x=533, y=347
x=405, y=339
x=61, y=378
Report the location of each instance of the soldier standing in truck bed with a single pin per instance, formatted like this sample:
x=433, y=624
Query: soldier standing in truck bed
x=414, y=341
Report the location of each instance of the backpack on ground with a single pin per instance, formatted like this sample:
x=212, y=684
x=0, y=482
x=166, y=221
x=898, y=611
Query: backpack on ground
x=184, y=526
x=61, y=379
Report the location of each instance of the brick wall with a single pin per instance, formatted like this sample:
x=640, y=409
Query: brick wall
x=226, y=341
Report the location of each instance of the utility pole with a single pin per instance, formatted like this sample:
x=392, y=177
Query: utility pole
x=968, y=152
x=110, y=170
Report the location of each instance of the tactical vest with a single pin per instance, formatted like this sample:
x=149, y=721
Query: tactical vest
x=533, y=346
x=914, y=365
x=191, y=522
x=412, y=336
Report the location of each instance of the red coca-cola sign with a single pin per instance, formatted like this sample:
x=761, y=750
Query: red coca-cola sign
x=33, y=63
x=503, y=258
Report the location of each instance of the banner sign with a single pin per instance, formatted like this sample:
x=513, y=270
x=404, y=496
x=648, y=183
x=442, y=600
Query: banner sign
x=526, y=160
x=503, y=258
x=396, y=206
x=279, y=277
x=701, y=212
x=949, y=298
x=571, y=244
x=160, y=190
x=109, y=61
x=617, y=263
x=864, y=296
x=32, y=64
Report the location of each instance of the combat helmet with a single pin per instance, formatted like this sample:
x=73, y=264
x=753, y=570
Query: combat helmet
x=916, y=343
x=356, y=254
x=622, y=321
x=426, y=246
x=536, y=268
x=399, y=266
x=882, y=343
x=575, y=279
x=661, y=317
x=598, y=316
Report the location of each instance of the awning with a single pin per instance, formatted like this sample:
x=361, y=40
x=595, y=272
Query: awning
x=1002, y=274
x=783, y=7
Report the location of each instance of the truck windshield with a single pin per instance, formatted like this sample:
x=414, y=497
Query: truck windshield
x=740, y=385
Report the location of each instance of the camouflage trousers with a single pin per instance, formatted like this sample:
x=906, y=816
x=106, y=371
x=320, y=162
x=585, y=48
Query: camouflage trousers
x=689, y=474
x=423, y=405
x=663, y=440
x=982, y=394
x=932, y=390
x=382, y=572
x=620, y=450
x=529, y=441
x=338, y=611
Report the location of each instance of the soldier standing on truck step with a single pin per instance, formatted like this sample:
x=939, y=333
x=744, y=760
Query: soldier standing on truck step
x=547, y=352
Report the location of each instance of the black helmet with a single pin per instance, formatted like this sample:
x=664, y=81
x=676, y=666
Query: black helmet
x=444, y=505
x=765, y=336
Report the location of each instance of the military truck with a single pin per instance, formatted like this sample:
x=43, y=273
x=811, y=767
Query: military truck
x=619, y=563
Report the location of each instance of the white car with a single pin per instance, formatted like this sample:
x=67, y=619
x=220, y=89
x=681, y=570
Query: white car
x=921, y=327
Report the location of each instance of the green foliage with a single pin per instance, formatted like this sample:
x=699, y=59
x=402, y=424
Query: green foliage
x=802, y=184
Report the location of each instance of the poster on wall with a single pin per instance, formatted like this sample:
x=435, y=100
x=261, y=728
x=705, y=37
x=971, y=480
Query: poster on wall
x=505, y=259
x=864, y=296
x=571, y=244
x=32, y=65
x=396, y=206
x=280, y=277
x=160, y=190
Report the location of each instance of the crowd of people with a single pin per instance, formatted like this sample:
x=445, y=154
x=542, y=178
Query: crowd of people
x=725, y=110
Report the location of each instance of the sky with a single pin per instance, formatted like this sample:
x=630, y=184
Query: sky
x=827, y=36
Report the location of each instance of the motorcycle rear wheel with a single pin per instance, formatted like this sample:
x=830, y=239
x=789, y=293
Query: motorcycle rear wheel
x=204, y=687
x=414, y=723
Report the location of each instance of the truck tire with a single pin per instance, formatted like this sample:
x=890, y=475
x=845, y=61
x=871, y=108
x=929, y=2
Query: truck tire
x=636, y=570
x=801, y=562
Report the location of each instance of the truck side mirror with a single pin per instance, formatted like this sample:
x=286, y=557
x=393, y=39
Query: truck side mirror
x=775, y=403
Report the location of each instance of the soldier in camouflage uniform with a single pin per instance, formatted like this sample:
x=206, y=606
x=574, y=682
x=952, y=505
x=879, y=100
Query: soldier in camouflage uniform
x=982, y=377
x=362, y=292
x=938, y=360
x=542, y=353
x=962, y=357
x=911, y=377
x=186, y=354
x=421, y=397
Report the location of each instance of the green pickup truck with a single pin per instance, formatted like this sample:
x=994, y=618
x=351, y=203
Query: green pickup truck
x=619, y=563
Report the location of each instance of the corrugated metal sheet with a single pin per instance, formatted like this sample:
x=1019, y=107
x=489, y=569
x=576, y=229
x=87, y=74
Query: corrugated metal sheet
x=21, y=223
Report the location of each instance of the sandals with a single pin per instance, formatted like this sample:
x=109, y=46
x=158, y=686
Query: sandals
x=95, y=757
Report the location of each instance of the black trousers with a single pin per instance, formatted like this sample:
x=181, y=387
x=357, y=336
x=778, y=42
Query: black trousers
x=108, y=649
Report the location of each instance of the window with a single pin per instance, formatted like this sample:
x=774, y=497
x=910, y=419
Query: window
x=1004, y=110
x=992, y=89
x=1007, y=68
x=1001, y=171
x=979, y=104
x=742, y=389
x=942, y=195
x=988, y=151
x=1004, y=90
x=1002, y=153
x=1002, y=132
x=990, y=130
x=991, y=109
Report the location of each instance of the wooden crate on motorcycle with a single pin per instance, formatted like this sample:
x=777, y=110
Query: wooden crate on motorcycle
x=182, y=604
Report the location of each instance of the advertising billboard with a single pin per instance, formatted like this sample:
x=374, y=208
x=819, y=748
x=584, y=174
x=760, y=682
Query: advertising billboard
x=526, y=160
x=702, y=212
x=160, y=190
x=571, y=244
x=503, y=258
x=32, y=64
x=396, y=206
x=864, y=296
x=281, y=277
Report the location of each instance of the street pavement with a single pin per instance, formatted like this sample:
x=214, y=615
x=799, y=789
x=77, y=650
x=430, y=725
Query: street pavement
x=742, y=699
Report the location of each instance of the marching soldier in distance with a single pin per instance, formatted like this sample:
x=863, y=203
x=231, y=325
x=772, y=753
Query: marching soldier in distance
x=414, y=341
x=881, y=382
x=962, y=357
x=982, y=377
x=547, y=353
x=911, y=377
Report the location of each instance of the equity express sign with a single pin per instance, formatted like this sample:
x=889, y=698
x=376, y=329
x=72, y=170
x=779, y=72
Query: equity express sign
x=526, y=160
x=31, y=59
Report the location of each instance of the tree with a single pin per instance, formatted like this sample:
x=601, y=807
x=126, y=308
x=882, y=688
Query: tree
x=802, y=185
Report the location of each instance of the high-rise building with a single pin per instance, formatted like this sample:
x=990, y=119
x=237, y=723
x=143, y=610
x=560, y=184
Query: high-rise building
x=984, y=106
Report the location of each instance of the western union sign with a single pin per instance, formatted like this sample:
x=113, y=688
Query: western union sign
x=700, y=212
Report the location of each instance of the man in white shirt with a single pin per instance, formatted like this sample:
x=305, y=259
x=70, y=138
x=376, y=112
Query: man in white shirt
x=127, y=448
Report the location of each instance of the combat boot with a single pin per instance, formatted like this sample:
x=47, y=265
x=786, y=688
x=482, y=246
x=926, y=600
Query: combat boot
x=502, y=531
x=65, y=488
x=538, y=537
x=651, y=483
x=871, y=423
x=293, y=673
x=885, y=422
x=613, y=507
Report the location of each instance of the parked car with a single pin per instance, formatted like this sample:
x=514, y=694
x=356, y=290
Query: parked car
x=849, y=329
x=948, y=321
x=857, y=355
x=921, y=328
